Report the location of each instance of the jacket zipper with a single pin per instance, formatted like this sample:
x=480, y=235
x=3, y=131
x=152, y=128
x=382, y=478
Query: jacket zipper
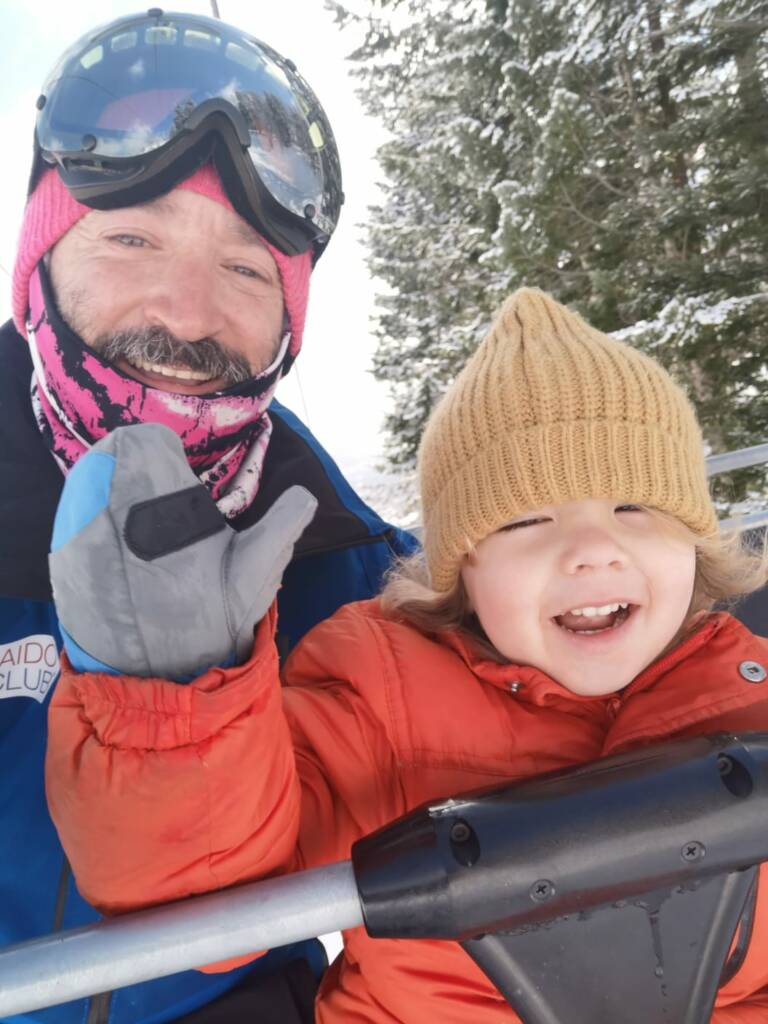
x=98, y=1011
x=61, y=895
x=613, y=707
x=342, y=545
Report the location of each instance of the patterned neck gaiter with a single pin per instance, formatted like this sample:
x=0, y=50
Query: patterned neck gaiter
x=79, y=398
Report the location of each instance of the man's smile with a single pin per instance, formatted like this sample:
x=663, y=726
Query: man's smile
x=179, y=372
x=178, y=379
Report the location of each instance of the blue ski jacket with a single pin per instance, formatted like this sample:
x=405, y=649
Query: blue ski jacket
x=341, y=557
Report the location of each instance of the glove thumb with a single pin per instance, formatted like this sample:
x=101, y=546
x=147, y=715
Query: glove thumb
x=258, y=557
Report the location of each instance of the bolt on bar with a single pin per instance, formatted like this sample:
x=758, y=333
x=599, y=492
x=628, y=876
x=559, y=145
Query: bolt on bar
x=176, y=937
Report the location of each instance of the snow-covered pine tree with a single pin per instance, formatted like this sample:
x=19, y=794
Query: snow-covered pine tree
x=431, y=73
x=613, y=152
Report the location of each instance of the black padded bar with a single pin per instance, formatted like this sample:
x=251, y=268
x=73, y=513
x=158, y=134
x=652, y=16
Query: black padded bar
x=623, y=861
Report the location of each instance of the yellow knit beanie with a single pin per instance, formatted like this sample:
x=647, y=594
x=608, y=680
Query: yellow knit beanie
x=549, y=410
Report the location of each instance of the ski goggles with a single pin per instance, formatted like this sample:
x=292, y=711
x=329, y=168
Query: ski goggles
x=134, y=107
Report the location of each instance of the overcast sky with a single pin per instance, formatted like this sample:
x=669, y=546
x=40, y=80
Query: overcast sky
x=342, y=403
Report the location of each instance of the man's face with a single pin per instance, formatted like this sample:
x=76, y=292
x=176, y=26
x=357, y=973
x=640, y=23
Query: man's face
x=179, y=292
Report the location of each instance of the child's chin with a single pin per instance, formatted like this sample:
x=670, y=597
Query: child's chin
x=594, y=685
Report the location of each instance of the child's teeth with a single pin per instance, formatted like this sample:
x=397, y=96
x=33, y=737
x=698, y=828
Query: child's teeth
x=605, y=609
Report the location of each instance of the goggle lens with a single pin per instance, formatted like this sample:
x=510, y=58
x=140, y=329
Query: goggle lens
x=139, y=84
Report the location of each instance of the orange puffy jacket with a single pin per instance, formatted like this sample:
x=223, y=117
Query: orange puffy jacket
x=160, y=790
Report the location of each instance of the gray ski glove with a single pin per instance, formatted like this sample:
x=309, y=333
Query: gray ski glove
x=148, y=578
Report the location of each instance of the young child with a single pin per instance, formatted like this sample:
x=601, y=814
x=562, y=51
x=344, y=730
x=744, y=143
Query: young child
x=561, y=611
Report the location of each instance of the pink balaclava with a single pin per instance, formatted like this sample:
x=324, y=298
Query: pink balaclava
x=78, y=397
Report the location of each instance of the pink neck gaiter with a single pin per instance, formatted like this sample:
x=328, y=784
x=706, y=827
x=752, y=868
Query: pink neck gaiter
x=79, y=398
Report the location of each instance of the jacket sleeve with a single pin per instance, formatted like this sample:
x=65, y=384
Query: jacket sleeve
x=339, y=704
x=744, y=998
x=751, y=1011
x=160, y=791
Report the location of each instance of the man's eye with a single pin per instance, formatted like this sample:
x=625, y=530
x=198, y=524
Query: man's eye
x=246, y=271
x=523, y=522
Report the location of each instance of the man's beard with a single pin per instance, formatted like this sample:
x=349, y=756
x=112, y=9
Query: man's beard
x=158, y=346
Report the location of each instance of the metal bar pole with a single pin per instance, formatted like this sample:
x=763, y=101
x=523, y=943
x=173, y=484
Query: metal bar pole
x=751, y=521
x=176, y=937
x=737, y=460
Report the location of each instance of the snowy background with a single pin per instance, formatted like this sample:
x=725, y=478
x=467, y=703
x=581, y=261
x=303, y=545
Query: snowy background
x=476, y=207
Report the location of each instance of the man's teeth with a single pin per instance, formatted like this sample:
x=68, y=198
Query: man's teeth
x=179, y=372
x=605, y=609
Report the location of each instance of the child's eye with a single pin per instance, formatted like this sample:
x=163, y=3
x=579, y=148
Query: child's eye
x=131, y=241
x=523, y=522
x=630, y=508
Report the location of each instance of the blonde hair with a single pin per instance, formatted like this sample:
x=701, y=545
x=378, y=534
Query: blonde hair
x=726, y=569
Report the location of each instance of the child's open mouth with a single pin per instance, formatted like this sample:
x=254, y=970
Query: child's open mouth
x=590, y=620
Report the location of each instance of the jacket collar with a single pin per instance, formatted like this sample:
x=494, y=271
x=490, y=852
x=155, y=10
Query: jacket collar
x=535, y=687
x=31, y=480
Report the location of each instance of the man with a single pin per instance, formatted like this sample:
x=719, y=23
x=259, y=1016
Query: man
x=185, y=180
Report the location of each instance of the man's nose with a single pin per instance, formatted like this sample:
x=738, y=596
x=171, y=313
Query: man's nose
x=183, y=299
x=592, y=548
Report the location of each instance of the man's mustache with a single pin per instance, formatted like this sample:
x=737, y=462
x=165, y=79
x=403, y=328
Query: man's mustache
x=157, y=345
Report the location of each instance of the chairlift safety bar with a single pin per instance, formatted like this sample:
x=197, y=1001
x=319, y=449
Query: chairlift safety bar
x=751, y=521
x=177, y=937
x=592, y=829
x=739, y=459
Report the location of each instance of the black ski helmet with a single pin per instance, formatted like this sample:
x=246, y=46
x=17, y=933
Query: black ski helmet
x=134, y=107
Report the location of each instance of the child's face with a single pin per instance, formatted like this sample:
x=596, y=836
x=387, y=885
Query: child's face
x=527, y=582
